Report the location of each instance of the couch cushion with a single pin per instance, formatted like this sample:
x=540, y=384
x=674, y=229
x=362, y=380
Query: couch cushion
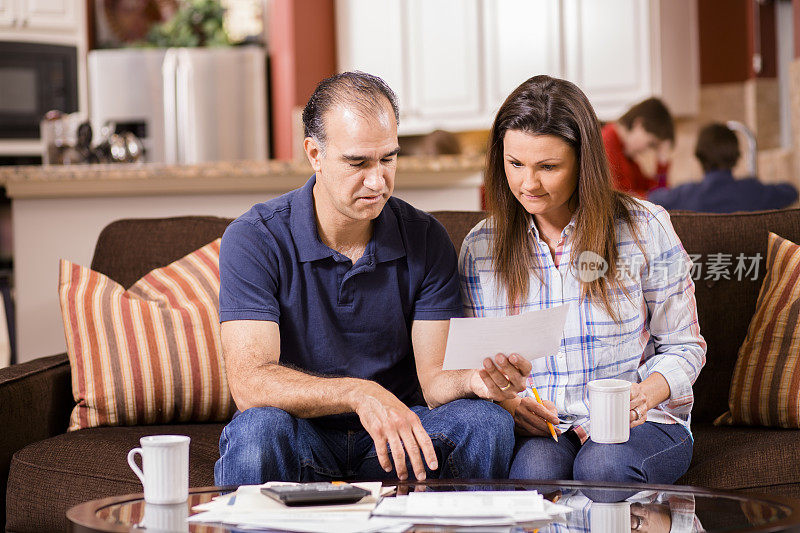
x=458, y=224
x=148, y=355
x=128, y=249
x=742, y=458
x=725, y=306
x=91, y=463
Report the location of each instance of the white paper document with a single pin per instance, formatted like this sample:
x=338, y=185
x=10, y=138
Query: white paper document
x=531, y=335
x=472, y=508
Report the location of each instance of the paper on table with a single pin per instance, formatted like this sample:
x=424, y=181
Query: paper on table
x=470, y=508
x=531, y=335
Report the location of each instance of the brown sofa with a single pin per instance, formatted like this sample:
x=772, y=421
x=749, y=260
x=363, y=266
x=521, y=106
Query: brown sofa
x=52, y=470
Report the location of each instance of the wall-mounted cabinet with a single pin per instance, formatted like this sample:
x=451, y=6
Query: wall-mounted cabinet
x=47, y=15
x=453, y=62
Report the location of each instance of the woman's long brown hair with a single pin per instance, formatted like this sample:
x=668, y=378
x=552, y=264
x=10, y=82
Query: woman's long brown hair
x=549, y=106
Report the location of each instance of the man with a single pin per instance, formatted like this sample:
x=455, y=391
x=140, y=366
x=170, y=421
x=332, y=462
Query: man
x=645, y=127
x=717, y=149
x=334, y=301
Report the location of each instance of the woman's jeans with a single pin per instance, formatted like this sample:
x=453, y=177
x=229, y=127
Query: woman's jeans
x=472, y=439
x=655, y=453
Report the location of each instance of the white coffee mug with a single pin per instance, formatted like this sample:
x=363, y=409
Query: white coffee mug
x=609, y=410
x=610, y=517
x=165, y=462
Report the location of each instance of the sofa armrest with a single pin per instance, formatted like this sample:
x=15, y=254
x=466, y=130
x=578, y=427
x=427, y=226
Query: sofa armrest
x=35, y=404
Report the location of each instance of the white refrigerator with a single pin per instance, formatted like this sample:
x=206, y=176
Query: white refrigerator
x=187, y=105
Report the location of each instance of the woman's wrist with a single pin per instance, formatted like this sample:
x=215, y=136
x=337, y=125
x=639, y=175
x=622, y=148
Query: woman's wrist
x=511, y=405
x=656, y=390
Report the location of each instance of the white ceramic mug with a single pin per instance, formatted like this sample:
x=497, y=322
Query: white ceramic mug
x=165, y=468
x=610, y=517
x=609, y=410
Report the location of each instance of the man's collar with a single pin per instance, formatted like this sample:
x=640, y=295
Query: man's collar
x=303, y=223
x=387, y=242
x=386, y=236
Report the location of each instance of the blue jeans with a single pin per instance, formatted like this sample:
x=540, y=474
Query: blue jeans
x=472, y=439
x=655, y=453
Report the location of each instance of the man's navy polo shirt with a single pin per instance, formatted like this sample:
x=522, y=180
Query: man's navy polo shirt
x=336, y=318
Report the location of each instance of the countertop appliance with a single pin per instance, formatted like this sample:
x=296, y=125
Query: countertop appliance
x=35, y=78
x=186, y=105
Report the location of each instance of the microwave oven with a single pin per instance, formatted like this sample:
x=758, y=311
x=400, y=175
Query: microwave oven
x=35, y=78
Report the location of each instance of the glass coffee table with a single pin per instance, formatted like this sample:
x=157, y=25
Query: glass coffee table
x=595, y=506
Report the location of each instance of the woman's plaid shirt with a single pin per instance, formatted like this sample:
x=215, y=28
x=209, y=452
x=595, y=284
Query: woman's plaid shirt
x=658, y=329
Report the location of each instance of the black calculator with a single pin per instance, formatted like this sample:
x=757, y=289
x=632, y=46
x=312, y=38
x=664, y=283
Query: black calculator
x=315, y=493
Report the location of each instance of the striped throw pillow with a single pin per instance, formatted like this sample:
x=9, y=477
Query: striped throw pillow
x=765, y=390
x=148, y=355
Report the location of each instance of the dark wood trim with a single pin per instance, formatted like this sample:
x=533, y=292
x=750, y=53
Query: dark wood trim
x=91, y=25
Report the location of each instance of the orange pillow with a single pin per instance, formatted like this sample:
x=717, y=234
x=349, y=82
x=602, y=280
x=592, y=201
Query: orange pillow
x=765, y=390
x=148, y=355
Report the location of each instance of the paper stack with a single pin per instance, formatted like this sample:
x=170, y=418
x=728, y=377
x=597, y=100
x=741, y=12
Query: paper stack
x=247, y=508
x=471, y=509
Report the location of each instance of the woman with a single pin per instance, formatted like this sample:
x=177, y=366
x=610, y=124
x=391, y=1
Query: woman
x=552, y=209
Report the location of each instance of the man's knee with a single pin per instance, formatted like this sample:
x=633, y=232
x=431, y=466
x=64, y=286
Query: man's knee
x=254, y=446
x=478, y=416
x=263, y=423
x=478, y=427
x=257, y=432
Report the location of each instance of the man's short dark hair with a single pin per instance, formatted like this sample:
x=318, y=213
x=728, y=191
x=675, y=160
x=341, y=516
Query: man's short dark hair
x=655, y=117
x=357, y=90
x=717, y=147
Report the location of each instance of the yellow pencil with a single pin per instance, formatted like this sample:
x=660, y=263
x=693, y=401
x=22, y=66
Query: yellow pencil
x=549, y=425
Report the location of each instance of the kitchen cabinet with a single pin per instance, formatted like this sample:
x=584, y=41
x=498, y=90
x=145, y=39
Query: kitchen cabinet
x=428, y=53
x=521, y=39
x=622, y=51
x=33, y=15
x=453, y=62
x=443, y=59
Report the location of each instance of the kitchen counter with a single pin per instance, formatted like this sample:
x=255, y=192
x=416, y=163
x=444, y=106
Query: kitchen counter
x=272, y=176
x=58, y=212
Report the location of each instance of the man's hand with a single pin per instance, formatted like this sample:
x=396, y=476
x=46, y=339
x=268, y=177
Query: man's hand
x=500, y=379
x=390, y=421
x=531, y=417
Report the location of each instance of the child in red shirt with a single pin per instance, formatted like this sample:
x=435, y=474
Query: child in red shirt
x=646, y=126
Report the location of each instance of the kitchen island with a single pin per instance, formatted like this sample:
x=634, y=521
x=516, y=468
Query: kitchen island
x=58, y=212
